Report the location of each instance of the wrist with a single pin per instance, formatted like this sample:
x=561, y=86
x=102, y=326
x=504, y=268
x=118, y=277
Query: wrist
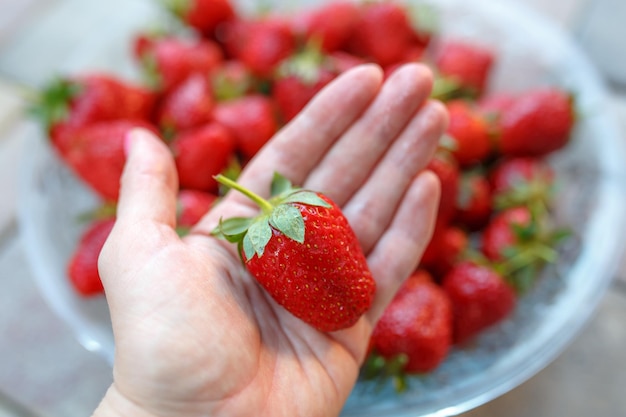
x=115, y=404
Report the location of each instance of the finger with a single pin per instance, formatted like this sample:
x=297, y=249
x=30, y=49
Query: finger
x=149, y=183
x=296, y=149
x=371, y=209
x=301, y=144
x=397, y=253
x=349, y=163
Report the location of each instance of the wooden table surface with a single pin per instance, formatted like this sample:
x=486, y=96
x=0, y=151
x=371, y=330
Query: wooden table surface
x=44, y=371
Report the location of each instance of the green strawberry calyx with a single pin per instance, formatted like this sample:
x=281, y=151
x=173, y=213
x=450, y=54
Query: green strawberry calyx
x=277, y=213
x=52, y=105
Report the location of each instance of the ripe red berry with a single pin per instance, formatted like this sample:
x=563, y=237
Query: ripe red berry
x=467, y=64
x=95, y=153
x=417, y=323
x=83, y=265
x=480, y=299
x=200, y=153
x=302, y=250
x=506, y=231
x=470, y=132
x=536, y=123
x=251, y=120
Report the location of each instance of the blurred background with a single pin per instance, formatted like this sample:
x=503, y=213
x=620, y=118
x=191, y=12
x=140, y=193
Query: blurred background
x=44, y=371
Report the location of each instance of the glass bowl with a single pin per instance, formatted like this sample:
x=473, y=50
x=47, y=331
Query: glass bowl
x=532, y=51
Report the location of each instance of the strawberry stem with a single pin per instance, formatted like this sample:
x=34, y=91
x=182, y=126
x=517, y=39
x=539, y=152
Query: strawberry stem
x=265, y=205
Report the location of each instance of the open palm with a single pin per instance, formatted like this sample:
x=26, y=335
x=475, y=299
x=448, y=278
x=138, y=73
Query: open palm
x=195, y=334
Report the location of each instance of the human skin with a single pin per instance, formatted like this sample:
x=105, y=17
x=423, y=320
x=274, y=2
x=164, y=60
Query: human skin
x=195, y=335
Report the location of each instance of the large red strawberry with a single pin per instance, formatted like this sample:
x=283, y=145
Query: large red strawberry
x=251, y=120
x=383, y=33
x=536, y=123
x=82, y=268
x=77, y=101
x=470, y=131
x=170, y=60
x=417, y=323
x=302, y=250
x=474, y=203
x=480, y=299
x=203, y=15
x=330, y=25
x=261, y=44
x=467, y=64
x=189, y=105
x=201, y=153
x=96, y=153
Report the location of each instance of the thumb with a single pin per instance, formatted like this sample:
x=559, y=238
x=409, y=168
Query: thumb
x=146, y=210
x=149, y=184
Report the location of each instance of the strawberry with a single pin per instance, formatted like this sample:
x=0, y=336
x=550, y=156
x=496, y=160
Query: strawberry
x=417, y=323
x=300, y=78
x=292, y=93
x=480, y=299
x=467, y=64
x=231, y=79
x=330, y=25
x=260, y=44
x=200, y=153
x=522, y=181
x=96, y=153
x=82, y=268
x=383, y=33
x=203, y=15
x=447, y=170
x=192, y=205
x=444, y=249
x=507, y=230
x=189, y=105
x=251, y=120
x=170, y=60
x=536, y=123
x=470, y=132
x=474, y=203
x=493, y=104
x=302, y=250
x=74, y=102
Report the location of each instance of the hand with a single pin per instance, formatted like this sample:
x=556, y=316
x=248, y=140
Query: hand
x=194, y=334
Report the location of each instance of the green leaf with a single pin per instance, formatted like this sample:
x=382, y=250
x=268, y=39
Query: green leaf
x=259, y=233
x=248, y=248
x=280, y=184
x=288, y=219
x=309, y=198
x=233, y=229
x=53, y=104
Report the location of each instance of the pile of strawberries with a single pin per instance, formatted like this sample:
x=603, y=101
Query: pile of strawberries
x=220, y=84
